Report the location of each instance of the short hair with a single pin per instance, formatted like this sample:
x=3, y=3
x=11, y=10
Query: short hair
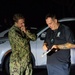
x=16, y=17
x=52, y=15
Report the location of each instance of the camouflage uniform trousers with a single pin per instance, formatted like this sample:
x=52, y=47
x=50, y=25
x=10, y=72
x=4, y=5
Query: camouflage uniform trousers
x=20, y=69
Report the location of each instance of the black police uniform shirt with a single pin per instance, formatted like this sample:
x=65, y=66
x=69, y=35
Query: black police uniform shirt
x=60, y=36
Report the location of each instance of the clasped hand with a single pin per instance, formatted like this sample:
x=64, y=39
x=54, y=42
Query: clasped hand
x=23, y=28
x=54, y=47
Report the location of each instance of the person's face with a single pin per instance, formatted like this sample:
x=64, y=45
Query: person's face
x=52, y=23
x=20, y=23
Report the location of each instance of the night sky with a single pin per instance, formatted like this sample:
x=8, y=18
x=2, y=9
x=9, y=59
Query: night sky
x=35, y=10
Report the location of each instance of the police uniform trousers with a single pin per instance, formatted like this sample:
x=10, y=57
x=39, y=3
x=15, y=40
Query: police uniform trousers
x=56, y=66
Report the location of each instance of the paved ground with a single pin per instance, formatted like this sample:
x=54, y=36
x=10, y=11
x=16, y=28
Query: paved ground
x=35, y=72
x=72, y=70
x=44, y=71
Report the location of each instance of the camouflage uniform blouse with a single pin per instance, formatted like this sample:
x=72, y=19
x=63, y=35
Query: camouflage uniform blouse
x=19, y=42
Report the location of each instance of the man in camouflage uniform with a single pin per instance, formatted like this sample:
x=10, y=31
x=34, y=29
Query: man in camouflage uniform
x=19, y=39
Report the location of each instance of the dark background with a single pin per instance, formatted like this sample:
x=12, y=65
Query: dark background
x=34, y=10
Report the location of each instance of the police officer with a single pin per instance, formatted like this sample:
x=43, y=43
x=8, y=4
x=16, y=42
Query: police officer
x=19, y=37
x=58, y=63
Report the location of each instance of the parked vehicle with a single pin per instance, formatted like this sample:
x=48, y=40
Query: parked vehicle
x=36, y=46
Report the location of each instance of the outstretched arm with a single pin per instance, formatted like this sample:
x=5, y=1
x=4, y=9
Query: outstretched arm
x=64, y=46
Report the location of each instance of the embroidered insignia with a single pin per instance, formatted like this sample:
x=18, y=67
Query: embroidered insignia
x=52, y=40
x=58, y=34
